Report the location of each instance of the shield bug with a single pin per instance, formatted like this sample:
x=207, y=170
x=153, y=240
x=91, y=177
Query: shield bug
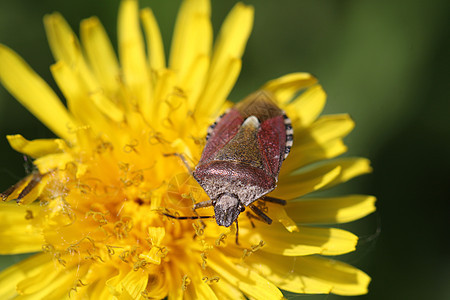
x=242, y=157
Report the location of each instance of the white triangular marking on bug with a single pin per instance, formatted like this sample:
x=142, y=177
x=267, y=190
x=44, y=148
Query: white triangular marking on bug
x=251, y=121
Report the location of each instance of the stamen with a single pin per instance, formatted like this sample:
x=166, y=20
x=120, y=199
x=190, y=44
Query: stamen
x=167, y=123
x=103, y=147
x=84, y=188
x=123, y=256
x=141, y=263
x=29, y=215
x=221, y=239
x=76, y=286
x=185, y=283
x=253, y=249
x=122, y=227
x=156, y=138
x=198, y=229
x=93, y=257
x=98, y=217
x=111, y=250
x=145, y=295
x=204, y=257
x=162, y=251
x=131, y=147
x=211, y=280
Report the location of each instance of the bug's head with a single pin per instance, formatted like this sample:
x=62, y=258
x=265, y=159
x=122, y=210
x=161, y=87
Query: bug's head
x=227, y=209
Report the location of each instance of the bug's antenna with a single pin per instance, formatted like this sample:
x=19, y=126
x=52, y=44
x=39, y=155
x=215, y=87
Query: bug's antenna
x=187, y=217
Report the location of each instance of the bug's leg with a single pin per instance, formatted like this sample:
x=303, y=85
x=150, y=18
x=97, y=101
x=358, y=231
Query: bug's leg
x=260, y=214
x=183, y=159
x=273, y=200
x=251, y=216
x=202, y=204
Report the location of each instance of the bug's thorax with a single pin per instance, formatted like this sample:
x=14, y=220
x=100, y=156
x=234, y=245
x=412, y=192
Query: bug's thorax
x=247, y=182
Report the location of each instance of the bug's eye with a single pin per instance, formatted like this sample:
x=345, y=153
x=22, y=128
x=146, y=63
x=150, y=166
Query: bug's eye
x=214, y=202
x=242, y=208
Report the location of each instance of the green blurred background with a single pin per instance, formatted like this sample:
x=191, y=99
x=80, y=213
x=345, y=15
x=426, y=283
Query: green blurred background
x=384, y=62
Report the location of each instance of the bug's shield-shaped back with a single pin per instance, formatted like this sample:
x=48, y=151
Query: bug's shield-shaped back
x=244, y=147
x=244, y=150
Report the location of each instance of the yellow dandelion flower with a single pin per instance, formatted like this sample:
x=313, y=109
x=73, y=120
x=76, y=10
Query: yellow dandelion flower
x=105, y=186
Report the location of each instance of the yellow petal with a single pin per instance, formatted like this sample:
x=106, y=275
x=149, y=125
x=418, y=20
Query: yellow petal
x=192, y=35
x=165, y=95
x=331, y=210
x=285, y=87
x=158, y=285
x=175, y=291
x=132, y=57
x=26, y=190
x=34, y=283
x=51, y=162
x=99, y=290
x=232, y=39
x=217, y=90
x=128, y=282
x=33, y=93
x=63, y=41
x=351, y=167
x=225, y=290
x=155, y=45
x=66, y=47
x=308, y=240
x=12, y=275
x=309, y=274
x=101, y=55
x=303, y=155
x=52, y=289
x=107, y=107
x=294, y=186
x=248, y=281
x=321, y=140
x=327, y=128
x=78, y=100
x=200, y=290
x=321, y=176
x=306, y=107
x=96, y=278
x=35, y=148
x=134, y=283
x=16, y=228
x=156, y=235
x=13, y=191
x=194, y=81
x=342, y=278
x=278, y=212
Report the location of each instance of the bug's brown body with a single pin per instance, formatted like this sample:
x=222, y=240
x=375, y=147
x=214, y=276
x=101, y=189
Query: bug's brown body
x=243, y=155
